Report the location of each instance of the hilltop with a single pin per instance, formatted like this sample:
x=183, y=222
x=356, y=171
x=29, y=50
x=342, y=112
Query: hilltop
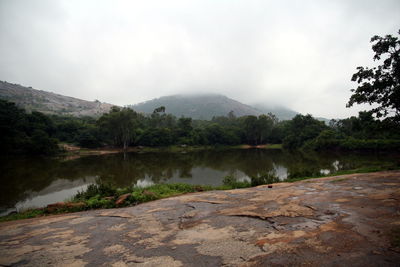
x=206, y=106
x=50, y=103
x=196, y=106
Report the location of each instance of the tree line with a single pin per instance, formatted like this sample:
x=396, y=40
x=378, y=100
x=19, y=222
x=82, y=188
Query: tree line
x=37, y=133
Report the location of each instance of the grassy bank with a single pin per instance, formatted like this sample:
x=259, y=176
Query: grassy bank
x=108, y=196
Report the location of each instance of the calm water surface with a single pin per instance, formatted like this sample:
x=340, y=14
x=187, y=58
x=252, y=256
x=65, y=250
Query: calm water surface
x=36, y=182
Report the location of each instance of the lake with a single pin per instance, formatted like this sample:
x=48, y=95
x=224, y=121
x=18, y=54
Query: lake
x=36, y=182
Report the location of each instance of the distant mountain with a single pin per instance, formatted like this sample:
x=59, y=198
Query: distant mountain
x=50, y=103
x=206, y=106
x=196, y=106
x=282, y=113
x=202, y=106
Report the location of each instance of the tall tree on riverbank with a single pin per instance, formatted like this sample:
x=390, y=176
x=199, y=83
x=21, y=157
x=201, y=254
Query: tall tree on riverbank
x=300, y=129
x=257, y=130
x=380, y=85
x=120, y=124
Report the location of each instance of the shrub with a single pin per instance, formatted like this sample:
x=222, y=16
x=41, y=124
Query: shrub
x=93, y=190
x=266, y=178
x=231, y=182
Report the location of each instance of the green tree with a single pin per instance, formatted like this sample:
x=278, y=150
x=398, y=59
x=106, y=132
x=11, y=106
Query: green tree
x=120, y=125
x=184, y=127
x=251, y=129
x=265, y=124
x=380, y=85
x=258, y=130
x=302, y=129
x=159, y=109
x=25, y=133
x=41, y=143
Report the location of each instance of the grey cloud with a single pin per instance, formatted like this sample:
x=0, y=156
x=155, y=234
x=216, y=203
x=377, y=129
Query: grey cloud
x=300, y=54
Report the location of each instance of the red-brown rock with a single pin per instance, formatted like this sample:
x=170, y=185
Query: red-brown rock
x=122, y=199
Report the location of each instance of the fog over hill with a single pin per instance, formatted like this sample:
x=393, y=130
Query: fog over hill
x=206, y=106
x=281, y=112
x=196, y=106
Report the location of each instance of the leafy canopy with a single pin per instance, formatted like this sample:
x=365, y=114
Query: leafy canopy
x=380, y=85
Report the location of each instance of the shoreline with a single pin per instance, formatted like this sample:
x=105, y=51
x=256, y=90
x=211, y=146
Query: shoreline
x=72, y=150
x=153, y=193
x=351, y=219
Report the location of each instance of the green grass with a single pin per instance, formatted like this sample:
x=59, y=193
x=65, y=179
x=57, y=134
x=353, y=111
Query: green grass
x=32, y=213
x=343, y=172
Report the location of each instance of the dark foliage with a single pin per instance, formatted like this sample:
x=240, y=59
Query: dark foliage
x=37, y=133
x=380, y=85
x=25, y=133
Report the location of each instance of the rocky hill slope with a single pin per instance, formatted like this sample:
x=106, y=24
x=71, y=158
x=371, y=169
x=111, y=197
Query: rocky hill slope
x=196, y=106
x=50, y=103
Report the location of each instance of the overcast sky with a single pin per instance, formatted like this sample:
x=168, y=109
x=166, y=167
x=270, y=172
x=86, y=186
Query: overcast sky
x=300, y=54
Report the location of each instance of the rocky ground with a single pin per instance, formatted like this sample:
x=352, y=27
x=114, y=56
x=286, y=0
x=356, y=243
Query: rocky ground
x=351, y=220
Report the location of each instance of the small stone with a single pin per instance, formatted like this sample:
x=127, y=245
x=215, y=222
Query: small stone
x=198, y=188
x=357, y=188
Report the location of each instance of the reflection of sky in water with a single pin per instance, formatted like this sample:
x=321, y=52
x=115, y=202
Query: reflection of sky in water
x=58, y=190
x=41, y=201
x=325, y=171
x=281, y=172
x=31, y=183
x=336, y=165
x=201, y=175
x=147, y=181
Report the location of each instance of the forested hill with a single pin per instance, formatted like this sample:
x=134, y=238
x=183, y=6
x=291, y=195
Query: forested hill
x=50, y=103
x=206, y=106
x=200, y=106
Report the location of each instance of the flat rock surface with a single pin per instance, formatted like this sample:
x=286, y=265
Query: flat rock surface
x=337, y=221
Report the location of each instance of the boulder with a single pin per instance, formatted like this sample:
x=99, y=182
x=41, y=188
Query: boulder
x=122, y=199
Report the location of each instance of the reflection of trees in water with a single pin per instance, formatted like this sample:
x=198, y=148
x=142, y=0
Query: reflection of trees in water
x=20, y=175
x=17, y=176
